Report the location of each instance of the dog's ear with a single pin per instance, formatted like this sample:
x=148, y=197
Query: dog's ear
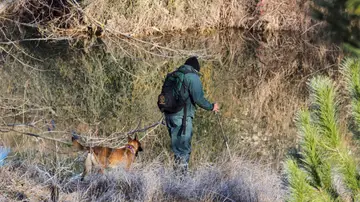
x=129, y=138
x=136, y=137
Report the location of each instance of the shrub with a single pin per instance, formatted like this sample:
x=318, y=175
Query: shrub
x=325, y=154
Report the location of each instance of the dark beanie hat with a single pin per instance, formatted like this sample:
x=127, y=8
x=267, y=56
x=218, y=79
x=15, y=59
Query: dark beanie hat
x=192, y=61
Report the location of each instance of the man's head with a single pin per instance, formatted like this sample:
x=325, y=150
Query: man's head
x=192, y=61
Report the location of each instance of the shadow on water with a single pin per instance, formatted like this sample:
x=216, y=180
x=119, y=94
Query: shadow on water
x=258, y=80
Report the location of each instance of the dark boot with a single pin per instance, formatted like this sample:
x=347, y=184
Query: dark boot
x=181, y=166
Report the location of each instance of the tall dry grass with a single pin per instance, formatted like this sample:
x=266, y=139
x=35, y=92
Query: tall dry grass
x=90, y=19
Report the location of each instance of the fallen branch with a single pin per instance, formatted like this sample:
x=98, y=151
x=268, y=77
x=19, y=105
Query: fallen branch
x=35, y=135
x=6, y=130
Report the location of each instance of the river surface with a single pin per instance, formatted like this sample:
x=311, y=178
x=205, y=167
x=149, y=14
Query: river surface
x=112, y=86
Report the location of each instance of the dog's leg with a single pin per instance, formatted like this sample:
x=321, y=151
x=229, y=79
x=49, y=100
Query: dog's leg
x=128, y=164
x=88, y=165
x=97, y=164
x=101, y=169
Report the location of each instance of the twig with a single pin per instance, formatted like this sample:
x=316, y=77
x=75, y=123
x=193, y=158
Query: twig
x=20, y=124
x=21, y=23
x=159, y=123
x=312, y=26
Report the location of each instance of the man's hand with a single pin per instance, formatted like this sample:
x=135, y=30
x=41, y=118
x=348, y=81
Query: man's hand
x=216, y=107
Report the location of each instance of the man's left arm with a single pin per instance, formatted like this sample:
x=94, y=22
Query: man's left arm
x=197, y=93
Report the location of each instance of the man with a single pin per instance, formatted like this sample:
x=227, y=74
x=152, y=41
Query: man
x=193, y=95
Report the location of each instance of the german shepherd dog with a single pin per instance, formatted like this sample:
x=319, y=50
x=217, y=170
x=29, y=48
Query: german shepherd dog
x=105, y=157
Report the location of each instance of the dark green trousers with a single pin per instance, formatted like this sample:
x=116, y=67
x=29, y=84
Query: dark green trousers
x=180, y=141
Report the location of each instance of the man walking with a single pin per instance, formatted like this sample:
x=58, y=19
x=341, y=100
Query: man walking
x=179, y=124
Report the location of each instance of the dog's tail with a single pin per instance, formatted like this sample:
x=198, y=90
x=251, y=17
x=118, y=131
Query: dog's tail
x=76, y=143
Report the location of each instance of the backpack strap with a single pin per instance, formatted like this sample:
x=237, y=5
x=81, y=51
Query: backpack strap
x=186, y=71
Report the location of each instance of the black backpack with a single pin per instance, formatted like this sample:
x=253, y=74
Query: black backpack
x=171, y=98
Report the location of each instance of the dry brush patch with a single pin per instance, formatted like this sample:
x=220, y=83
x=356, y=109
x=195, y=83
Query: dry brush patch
x=239, y=180
x=284, y=15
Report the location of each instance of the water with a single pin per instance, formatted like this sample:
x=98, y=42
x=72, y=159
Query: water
x=112, y=86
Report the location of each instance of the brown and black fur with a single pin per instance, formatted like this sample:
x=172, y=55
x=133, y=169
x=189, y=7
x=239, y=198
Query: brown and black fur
x=105, y=157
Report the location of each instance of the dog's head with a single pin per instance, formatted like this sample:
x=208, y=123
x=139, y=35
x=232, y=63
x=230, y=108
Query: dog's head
x=135, y=143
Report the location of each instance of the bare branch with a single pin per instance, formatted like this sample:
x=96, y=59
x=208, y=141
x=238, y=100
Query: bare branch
x=35, y=39
x=21, y=62
x=6, y=130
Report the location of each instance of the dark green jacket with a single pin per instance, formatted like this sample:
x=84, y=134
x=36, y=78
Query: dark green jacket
x=194, y=94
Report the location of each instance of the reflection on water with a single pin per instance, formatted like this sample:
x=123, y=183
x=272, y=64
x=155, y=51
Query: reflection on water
x=258, y=81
